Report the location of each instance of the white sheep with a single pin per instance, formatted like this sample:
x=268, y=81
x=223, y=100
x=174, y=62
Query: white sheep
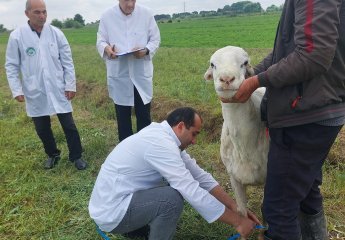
x=244, y=144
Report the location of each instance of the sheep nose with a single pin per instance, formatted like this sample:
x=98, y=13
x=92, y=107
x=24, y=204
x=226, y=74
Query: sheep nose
x=227, y=80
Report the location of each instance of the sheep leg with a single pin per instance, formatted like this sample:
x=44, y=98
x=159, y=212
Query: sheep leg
x=240, y=196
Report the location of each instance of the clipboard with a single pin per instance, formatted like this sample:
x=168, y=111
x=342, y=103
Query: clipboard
x=127, y=53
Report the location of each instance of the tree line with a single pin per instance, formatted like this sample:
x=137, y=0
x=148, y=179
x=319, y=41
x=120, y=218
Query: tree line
x=243, y=7
x=76, y=22
x=2, y=28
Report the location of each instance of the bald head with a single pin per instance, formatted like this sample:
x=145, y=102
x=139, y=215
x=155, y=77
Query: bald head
x=29, y=4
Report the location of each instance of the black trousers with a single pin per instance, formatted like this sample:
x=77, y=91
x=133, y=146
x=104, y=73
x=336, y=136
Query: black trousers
x=45, y=133
x=294, y=174
x=124, y=116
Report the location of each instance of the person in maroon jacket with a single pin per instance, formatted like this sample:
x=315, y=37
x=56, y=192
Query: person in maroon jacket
x=304, y=107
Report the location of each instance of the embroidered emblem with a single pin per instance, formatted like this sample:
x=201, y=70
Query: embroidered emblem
x=30, y=51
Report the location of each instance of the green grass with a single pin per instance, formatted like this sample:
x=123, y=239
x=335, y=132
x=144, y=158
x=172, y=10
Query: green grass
x=242, y=31
x=40, y=204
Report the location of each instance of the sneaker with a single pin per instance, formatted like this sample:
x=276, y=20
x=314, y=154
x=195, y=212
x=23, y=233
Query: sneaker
x=80, y=164
x=51, y=162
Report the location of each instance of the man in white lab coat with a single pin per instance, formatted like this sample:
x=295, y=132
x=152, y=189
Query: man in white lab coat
x=127, y=39
x=145, y=178
x=40, y=72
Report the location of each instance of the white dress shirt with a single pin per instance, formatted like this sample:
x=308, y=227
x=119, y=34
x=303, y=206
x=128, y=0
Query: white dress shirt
x=137, y=30
x=141, y=162
x=41, y=69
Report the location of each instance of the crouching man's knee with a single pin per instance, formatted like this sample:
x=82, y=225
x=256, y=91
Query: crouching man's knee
x=173, y=201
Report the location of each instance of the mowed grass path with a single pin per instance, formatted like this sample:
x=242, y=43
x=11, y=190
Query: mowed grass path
x=40, y=204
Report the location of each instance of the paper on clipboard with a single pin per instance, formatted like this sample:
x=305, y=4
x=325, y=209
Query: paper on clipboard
x=127, y=53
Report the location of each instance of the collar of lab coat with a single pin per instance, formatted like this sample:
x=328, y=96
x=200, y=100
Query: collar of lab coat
x=34, y=30
x=171, y=132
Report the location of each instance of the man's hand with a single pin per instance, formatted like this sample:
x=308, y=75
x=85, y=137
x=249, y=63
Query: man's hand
x=110, y=51
x=244, y=92
x=252, y=217
x=20, y=98
x=140, y=54
x=245, y=227
x=69, y=95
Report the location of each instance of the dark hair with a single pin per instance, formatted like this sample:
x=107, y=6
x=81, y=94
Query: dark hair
x=183, y=114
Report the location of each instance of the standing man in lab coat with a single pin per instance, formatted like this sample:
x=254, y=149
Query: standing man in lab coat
x=127, y=39
x=40, y=72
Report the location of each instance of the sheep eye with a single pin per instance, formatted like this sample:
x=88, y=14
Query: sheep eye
x=213, y=66
x=244, y=64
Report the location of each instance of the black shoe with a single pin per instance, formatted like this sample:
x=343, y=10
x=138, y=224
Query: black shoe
x=51, y=162
x=80, y=164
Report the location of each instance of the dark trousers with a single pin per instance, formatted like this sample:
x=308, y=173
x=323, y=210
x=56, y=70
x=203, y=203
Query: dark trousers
x=124, y=113
x=294, y=174
x=45, y=133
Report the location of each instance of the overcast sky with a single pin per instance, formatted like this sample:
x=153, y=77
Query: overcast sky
x=12, y=11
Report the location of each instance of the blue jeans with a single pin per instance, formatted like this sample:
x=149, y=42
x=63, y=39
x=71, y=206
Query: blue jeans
x=160, y=208
x=294, y=174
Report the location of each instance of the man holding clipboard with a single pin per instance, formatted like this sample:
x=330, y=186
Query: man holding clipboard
x=127, y=39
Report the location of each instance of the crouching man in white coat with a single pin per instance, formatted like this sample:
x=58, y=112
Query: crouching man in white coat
x=41, y=54
x=127, y=39
x=130, y=196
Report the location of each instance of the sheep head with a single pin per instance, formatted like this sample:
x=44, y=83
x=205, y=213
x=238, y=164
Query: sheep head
x=229, y=66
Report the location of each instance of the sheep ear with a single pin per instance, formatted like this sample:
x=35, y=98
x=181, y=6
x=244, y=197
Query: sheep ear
x=249, y=69
x=208, y=76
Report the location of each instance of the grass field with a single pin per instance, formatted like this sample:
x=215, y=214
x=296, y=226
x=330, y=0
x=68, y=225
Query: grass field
x=40, y=204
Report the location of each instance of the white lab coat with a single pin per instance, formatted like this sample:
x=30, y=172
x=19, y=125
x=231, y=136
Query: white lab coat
x=140, y=162
x=137, y=30
x=41, y=69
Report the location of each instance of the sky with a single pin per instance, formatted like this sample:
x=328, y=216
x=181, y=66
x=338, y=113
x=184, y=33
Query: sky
x=12, y=11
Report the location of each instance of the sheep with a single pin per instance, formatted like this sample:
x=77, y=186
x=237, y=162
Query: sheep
x=244, y=142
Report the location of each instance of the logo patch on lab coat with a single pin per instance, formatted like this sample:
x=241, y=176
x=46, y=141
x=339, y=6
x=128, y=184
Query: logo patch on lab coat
x=30, y=51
